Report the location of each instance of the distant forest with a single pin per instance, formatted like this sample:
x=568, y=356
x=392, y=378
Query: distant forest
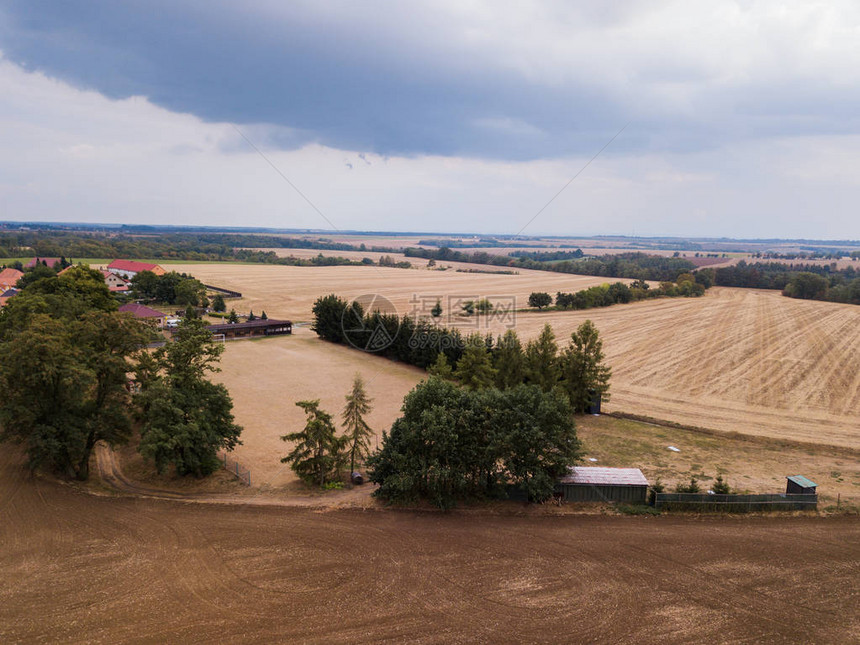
x=216, y=247
x=806, y=281
x=798, y=280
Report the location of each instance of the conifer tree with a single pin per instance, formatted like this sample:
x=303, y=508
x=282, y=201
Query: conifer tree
x=358, y=433
x=475, y=368
x=541, y=360
x=509, y=361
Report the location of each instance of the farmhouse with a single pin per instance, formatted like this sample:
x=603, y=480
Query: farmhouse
x=129, y=268
x=253, y=328
x=9, y=278
x=594, y=484
x=142, y=311
x=116, y=283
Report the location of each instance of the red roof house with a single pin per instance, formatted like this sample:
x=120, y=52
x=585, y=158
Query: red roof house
x=130, y=268
x=9, y=278
x=142, y=311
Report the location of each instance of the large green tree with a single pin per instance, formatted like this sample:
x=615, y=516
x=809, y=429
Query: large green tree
x=452, y=444
x=65, y=356
x=358, y=433
x=186, y=418
x=317, y=453
x=584, y=375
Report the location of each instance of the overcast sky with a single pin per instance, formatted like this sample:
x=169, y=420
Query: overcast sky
x=742, y=118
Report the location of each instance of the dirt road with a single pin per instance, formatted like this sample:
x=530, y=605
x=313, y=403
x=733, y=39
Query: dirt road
x=77, y=568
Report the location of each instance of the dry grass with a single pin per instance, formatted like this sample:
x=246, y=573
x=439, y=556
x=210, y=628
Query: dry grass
x=266, y=377
x=753, y=466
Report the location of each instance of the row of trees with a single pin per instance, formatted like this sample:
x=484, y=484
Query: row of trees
x=67, y=354
x=618, y=293
x=637, y=266
x=476, y=361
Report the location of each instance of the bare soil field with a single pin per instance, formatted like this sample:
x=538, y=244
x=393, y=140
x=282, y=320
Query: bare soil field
x=737, y=360
x=79, y=568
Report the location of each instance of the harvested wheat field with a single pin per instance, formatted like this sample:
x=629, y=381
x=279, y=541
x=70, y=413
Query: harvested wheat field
x=78, y=568
x=267, y=376
x=737, y=360
x=286, y=291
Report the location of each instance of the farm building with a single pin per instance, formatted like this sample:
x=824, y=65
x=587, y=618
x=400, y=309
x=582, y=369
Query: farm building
x=800, y=485
x=594, y=484
x=253, y=328
x=129, y=268
x=116, y=283
x=141, y=311
x=9, y=278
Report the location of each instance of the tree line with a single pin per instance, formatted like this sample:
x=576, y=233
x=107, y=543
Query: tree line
x=688, y=286
x=637, y=266
x=67, y=356
x=806, y=281
x=476, y=361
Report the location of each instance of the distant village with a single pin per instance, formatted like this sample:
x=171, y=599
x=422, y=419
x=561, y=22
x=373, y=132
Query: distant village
x=118, y=276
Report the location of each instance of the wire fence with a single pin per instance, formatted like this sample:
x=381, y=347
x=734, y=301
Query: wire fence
x=235, y=468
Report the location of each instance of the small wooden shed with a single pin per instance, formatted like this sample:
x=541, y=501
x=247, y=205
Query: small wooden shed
x=597, y=484
x=800, y=485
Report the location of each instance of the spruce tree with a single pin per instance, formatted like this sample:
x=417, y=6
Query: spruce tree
x=541, y=360
x=583, y=373
x=358, y=433
x=475, y=368
x=509, y=361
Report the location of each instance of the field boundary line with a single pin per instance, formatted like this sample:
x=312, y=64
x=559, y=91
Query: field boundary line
x=739, y=436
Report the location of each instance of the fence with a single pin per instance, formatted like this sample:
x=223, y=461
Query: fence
x=735, y=503
x=232, y=466
x=227, y=293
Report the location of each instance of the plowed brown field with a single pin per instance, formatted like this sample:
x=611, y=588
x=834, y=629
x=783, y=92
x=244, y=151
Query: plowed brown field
x=77, y=568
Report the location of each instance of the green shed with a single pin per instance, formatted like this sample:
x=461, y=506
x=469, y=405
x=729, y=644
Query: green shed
x=597, y=484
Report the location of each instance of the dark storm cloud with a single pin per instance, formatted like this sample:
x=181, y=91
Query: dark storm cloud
x=322, y=83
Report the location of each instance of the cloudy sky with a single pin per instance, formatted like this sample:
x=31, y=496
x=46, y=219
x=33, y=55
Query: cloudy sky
x=742, y=118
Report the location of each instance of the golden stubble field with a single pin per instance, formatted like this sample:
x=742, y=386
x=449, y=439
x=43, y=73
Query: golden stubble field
x=736, y=360
x=289, y=292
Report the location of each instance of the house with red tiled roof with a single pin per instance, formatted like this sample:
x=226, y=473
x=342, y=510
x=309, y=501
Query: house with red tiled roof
x=9, y=278
x=142, y=311
x=116, y=283
x=50, y=262
x=129, y=268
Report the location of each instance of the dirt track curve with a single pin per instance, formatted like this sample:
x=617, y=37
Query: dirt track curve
x=79, y=568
